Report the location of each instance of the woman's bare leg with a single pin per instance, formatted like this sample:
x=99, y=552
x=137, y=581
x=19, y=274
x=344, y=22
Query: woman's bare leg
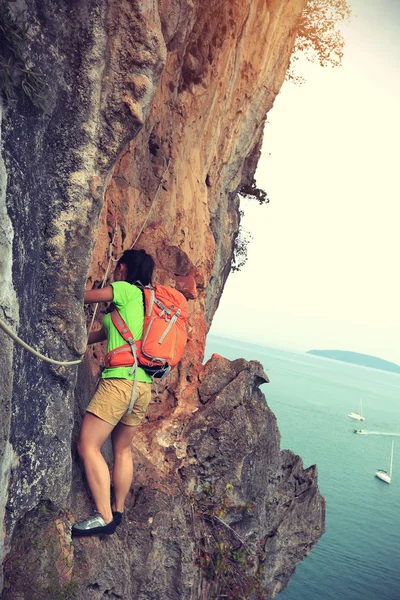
x=122, y=472
x=94, y=433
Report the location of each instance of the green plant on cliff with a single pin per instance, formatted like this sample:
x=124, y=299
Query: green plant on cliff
x=15, y=70
x=319, y=37
x=240, y=249
x=230, y=568
x=253, y=192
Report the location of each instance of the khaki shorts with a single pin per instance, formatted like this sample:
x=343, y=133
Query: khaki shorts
x=112, y=398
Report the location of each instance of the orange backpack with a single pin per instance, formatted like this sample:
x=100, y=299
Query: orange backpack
x=164, y=334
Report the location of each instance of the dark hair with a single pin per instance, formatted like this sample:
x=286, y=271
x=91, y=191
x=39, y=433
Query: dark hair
x=140, y=266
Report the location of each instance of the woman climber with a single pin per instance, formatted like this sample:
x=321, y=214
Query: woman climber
x=107, y=412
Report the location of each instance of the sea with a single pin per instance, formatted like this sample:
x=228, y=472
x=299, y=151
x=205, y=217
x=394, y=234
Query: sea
x=358, y=558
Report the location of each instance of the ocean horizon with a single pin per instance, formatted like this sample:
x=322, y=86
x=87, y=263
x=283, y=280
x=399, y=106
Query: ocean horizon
x=358, y=557
x=285, y=348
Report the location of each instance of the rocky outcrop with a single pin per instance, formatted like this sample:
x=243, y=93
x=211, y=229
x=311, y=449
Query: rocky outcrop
x=230, y=482
x=154, y=119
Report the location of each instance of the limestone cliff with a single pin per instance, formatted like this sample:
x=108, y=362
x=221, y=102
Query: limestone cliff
x=154, y=119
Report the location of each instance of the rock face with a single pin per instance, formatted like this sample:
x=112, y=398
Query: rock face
x=154, y=119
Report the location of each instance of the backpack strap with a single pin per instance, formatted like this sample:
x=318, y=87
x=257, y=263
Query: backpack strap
x=133, y=394
x=170, y=324
x=126, y=334
x=121, y=326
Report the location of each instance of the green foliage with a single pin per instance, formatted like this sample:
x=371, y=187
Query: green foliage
x=251, y=191
x=230, y=567
x=319, y=37
x=240, y=249
x=15, y=72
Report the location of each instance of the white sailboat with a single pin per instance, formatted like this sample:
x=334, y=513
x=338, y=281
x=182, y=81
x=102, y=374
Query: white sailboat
x=356, y=416
x=384, y=475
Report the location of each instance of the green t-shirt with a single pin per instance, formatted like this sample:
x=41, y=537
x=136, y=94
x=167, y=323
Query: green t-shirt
x=129, y=301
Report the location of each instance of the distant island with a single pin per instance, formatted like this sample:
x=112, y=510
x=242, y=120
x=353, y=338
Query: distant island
x=365, y=360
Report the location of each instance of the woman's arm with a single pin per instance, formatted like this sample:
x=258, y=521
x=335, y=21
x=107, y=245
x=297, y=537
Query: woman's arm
x=101, y=295
x=97, y=336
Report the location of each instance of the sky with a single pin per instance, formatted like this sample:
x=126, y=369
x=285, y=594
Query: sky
x=323, y=262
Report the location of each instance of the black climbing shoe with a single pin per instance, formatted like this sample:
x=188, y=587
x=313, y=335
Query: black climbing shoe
x=94, y=525
x=118, y=516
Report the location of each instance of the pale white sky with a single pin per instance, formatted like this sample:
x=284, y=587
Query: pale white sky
x=323, y=268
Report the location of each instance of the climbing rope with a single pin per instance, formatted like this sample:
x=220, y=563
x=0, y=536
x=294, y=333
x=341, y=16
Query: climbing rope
x=110, y=251
x=166, y=164
x=14, y=336
x=111, y=259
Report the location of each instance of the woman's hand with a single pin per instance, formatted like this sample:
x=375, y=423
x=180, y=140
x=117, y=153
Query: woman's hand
x=101, y=295
x=97, y=336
